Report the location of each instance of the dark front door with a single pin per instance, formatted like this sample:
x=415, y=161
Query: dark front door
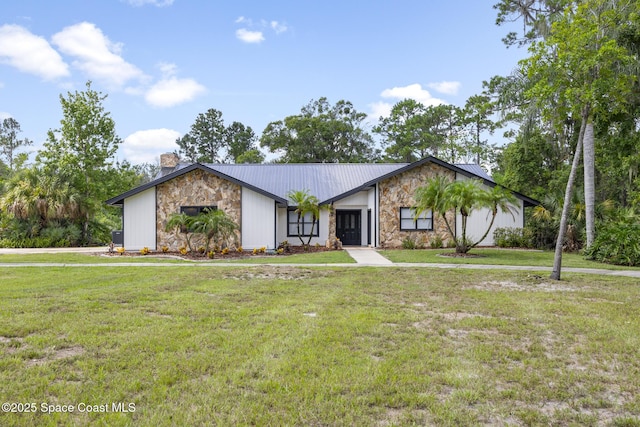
x=349, y=227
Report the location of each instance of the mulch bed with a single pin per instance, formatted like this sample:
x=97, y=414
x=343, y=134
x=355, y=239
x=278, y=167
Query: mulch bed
x=197, y=256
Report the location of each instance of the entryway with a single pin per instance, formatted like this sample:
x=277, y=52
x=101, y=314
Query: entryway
x=349, y=227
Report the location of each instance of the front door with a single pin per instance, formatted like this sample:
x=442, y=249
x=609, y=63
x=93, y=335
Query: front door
x=349, y=227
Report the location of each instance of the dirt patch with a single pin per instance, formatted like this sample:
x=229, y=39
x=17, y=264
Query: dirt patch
x=274, y=272
x=459, y=255
x=508, y=285
x=11, y=345
x=59, y=354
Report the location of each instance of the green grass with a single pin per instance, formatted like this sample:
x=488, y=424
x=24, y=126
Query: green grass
x=319, y=346
x=496, y=257
x=329, y=257
x=79, y=258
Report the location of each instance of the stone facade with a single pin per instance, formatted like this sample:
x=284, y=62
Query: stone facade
x=195, y=188
x=397, y=192
x=332, y=240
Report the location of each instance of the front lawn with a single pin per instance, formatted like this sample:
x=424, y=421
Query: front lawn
x=495, y=257
x=317, y=346
x=321, y=257
x=313, y=257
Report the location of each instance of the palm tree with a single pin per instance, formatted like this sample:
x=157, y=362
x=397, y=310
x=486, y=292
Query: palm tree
x=441, y=196
x=216, y=225
x=432, y=197
x=306, y=204
x=45, y=197
x=499, y=198
x=181, y=223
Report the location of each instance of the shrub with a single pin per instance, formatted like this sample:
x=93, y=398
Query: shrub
x=224, y=251
x=165, y=249
x=145, y=251
x=120, y=250
x=211, y=254
x=411, y=243
x=436, y=243
x=284, y=245
x=54, y=233
x=617, y=242
x=183, y=250
x=511, y=237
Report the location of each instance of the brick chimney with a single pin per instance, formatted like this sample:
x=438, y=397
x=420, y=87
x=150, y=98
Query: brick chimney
x=169, y=160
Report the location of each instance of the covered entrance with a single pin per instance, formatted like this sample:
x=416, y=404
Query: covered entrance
x=349, y=226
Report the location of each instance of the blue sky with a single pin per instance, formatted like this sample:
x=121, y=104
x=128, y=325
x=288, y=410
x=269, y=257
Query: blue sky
x=162, y=62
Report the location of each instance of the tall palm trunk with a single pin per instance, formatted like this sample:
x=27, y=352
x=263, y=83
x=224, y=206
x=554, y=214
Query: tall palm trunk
x=564, y=219
x=589, y=182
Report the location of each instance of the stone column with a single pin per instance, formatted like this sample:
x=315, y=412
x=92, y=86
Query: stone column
x=331, y=240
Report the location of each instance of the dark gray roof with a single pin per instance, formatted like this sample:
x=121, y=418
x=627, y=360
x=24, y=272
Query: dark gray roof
x=323, y=180
x=476, y=170
x=327, y=181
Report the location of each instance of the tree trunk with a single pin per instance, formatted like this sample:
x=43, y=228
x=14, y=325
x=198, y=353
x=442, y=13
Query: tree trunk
x=313, y=226
x=589, y=181
x=300, y=234
x=557, y=259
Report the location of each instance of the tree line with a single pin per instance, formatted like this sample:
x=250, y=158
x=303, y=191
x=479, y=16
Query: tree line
x=576, y=91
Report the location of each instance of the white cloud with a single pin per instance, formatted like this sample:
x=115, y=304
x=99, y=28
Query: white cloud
x=278, y=27
x=249, y=36
x=171, y=91
x=145, y=146
x=158, y=3
x=4, y=115
x=448, y=88
x=30, y=53
x=379, y=109
x=168, y=69
x=96, y=54
x=415, y=92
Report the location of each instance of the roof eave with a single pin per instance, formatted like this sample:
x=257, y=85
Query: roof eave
x=119, y=200
x=430, y=159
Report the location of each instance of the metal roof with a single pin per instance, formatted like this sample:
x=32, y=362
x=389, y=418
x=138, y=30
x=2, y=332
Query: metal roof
x=476, y=170
x=323, y=180
x=327, y=181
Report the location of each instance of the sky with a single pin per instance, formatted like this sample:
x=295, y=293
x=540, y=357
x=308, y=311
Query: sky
x=163, y=62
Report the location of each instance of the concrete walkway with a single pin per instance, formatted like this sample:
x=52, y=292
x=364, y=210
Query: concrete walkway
x=366, y=256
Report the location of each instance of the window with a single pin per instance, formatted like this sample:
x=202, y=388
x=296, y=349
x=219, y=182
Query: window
x=196, y=210
x=305, y=224
x=408, y=222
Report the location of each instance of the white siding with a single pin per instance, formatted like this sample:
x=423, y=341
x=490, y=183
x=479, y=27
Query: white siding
x=140, y=220
x=294, y=240
x=258, y=220
x=479, y=220
x=371, y=204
